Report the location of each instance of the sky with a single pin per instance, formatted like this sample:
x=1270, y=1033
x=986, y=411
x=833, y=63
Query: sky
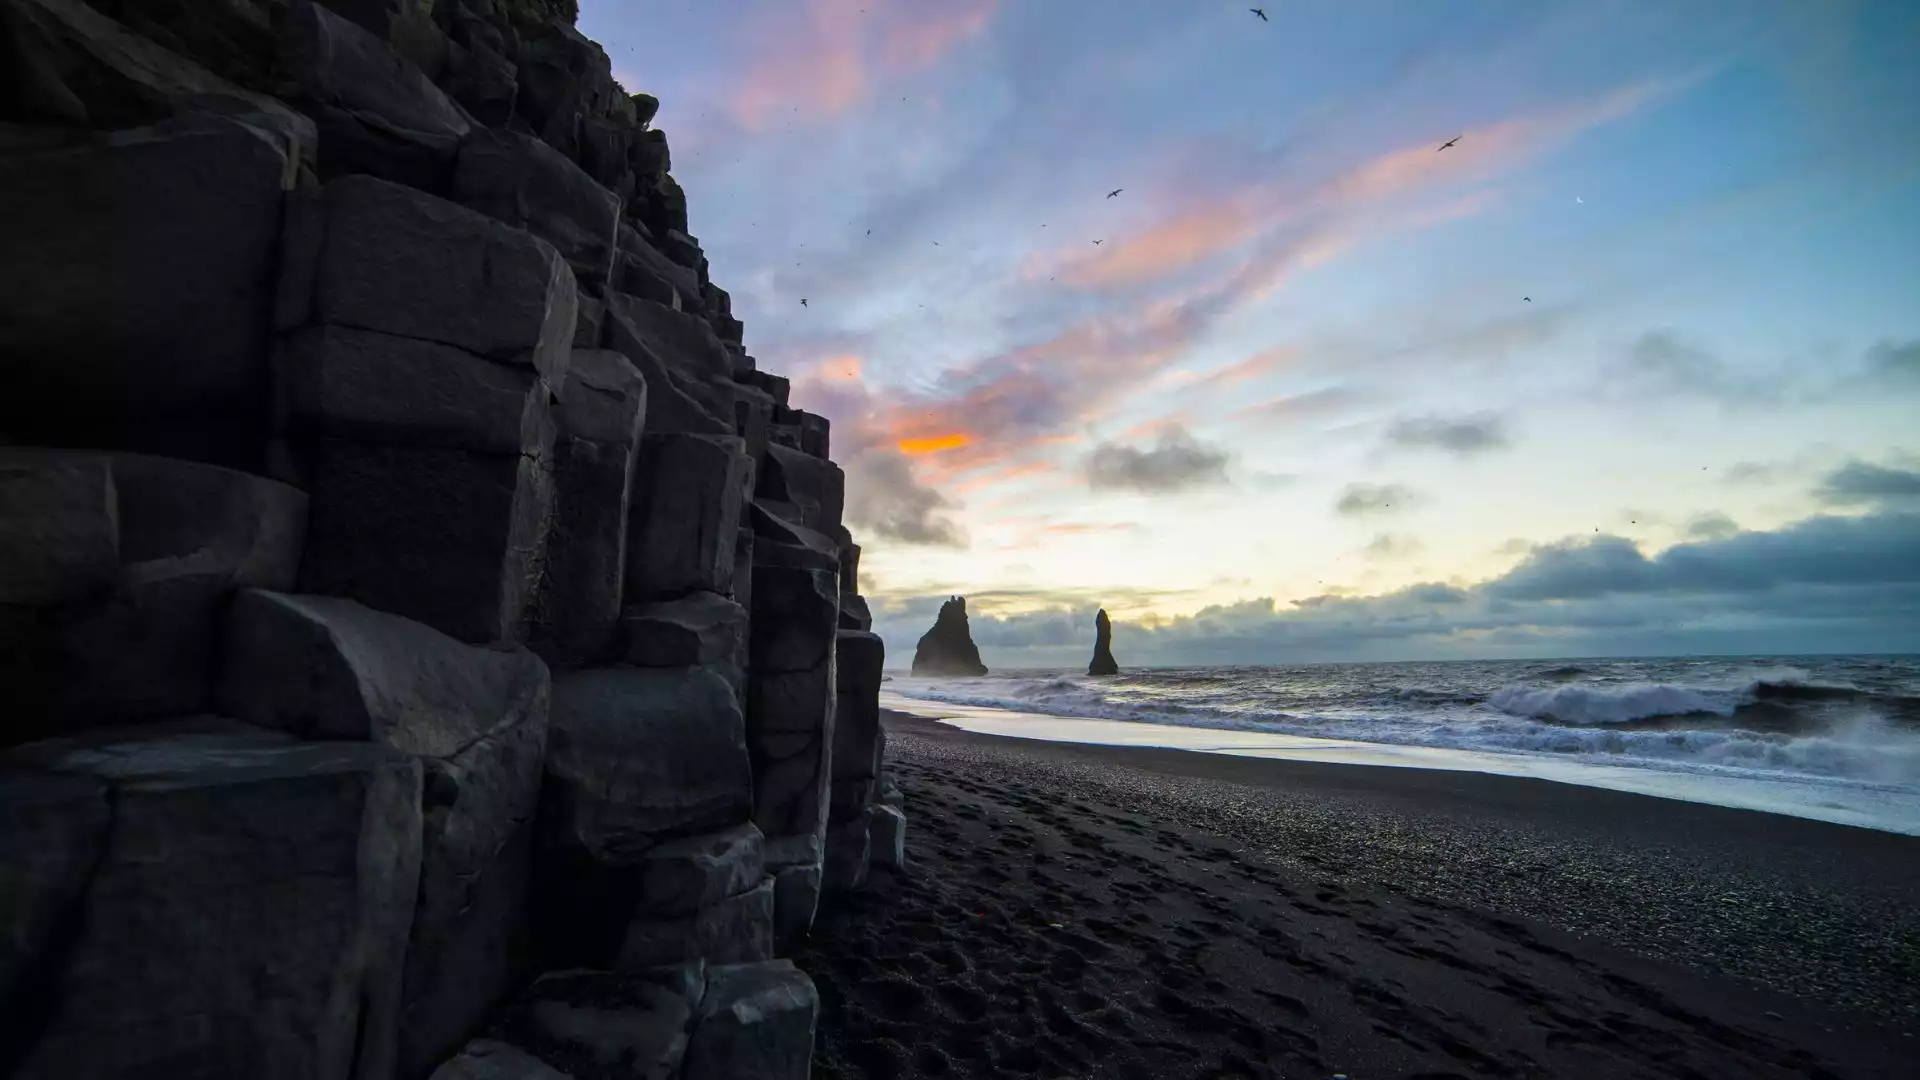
x=1631, y=366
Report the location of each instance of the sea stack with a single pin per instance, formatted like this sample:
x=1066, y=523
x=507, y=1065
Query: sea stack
x=1103, y=662
x=948, y=648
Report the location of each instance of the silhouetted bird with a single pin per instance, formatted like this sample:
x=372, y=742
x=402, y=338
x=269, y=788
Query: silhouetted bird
x=1096, y=241
x=1262, y=12
x=1114, y=192
x=1448, y=143
x=1528, y=299
x=803, y=301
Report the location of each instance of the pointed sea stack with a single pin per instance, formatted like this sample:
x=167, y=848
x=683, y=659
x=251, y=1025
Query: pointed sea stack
x=948, y=648
x=1103, y=662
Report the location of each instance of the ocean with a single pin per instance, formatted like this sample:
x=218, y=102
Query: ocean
x=1835, y=737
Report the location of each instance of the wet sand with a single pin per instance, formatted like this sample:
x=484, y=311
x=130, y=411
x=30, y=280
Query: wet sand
x=1082, y=911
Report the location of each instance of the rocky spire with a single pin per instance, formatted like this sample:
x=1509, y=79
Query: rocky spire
x=948, y=648
x=1103, y=662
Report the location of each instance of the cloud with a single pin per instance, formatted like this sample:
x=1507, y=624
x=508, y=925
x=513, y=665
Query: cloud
x=1208, y=223
x=1712, y=525
x=1663, y=362
x=884, y=496
x=1392, y=546
x=1321, y=402
x=1823, y=584
x=1897, y=362
x=1360, y=499
x=819, y=59
x=1862, y=483
x=1461, y=435
x=1176, y=462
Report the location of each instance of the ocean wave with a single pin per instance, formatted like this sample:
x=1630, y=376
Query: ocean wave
x=1588, y=706
x=1774, y=722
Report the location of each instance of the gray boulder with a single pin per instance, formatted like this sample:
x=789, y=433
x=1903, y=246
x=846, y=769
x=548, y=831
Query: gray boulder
x=491, y=1059
x=687, y=496
x=185, y=963
x=847, y=855
x=78, y=68
x=636, y=754
x=59, y=528
x=795, y=614
x=681, y=399
x=185, y=536
x=51, y=832
x=682, y=876
x=451, y=538
x=600, y=1025
x=854, y=614
x=377, y=113
x=887, y=832
x=595, y=447
x=756, y=1020
x=365, y=386
x=324, y=668
x=588, y=328
x=816, y=486
x=523, y=181
x=736, y=929
x=137, y=283
x=644, y=272
x=697, y=629
x=859, y=659
x=402, y=262
x=797, y=866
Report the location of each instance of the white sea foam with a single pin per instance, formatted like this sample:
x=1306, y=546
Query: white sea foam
x=1487, y=708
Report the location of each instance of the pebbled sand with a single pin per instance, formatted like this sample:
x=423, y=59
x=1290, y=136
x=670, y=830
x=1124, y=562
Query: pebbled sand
x=1076, y=911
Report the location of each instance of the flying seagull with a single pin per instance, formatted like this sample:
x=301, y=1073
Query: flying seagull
x=1528, y=299
x=1262, y=12
x=803, y=301
x=1096, y=241
x=1448, y=143
x=1114, y=192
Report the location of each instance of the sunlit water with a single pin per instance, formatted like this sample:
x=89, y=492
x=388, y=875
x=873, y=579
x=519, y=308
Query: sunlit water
x=1834, y=738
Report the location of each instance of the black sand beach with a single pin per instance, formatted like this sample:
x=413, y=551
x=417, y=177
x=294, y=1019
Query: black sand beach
x=1084, y=911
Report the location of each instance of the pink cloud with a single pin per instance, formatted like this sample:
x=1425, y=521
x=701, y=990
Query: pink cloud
x=824, y=57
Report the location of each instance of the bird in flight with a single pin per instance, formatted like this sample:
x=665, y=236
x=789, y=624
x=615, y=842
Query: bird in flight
x=1448, y=143
x=803, y=301
x=1096, y=241
x=1528, y=299
x=869, y=232
x=1114, y=192
x=1262, y=12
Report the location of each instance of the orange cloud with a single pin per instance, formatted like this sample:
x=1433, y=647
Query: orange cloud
x=934, y=444
x=821, y=59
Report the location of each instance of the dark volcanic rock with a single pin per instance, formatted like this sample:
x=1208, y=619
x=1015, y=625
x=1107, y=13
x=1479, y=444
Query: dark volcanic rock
x=523, y=181
x=248, y=912
x=331, y=669
x=376, y=112
x=757, y=1020
x=687, y=496
x=948, y=648
x=118, y=569
x=135, y=289
x=1103, y=662
x=596, y=443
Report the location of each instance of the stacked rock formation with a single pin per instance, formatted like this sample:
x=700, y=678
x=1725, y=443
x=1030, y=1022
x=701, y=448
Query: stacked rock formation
x=1103, y=662
x=947, y=648
x=432, y=645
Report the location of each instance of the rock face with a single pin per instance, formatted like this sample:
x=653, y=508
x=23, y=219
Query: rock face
x=948, y=648
x=1103, y=662
x=432, y=644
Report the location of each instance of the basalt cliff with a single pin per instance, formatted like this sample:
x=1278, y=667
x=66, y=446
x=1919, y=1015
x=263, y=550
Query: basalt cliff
x=947, y=648
x=430, y=640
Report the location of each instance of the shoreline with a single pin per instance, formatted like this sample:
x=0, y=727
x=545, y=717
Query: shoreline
x=1405, y=922
x=1871, y=806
